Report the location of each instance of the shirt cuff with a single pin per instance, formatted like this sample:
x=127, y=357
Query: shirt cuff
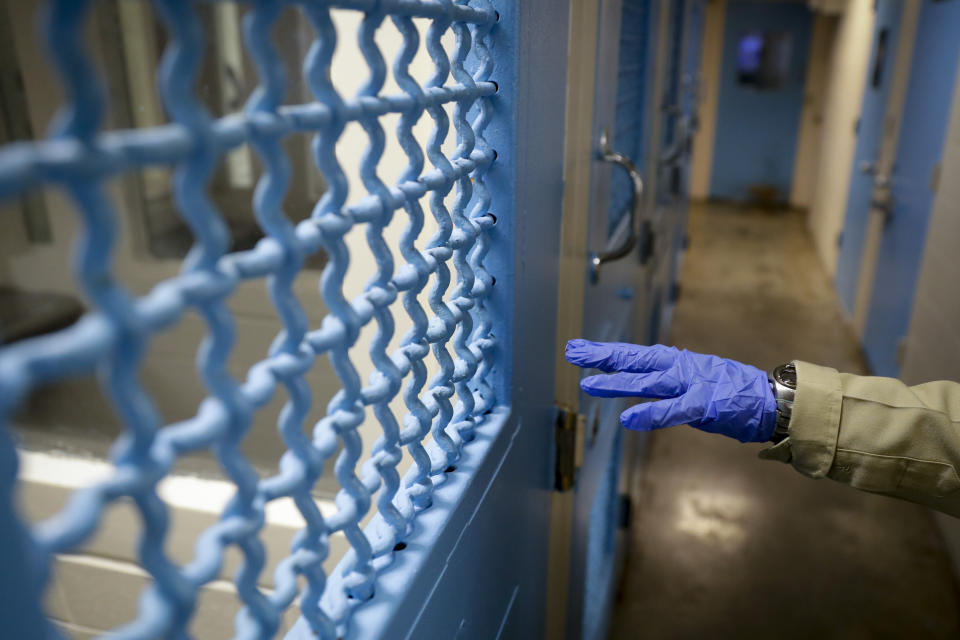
x=814, y=423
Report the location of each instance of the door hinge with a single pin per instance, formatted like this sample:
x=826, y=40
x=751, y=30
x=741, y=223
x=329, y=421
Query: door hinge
x=569, y=434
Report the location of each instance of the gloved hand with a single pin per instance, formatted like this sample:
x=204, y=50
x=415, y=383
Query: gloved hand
x=707, y=392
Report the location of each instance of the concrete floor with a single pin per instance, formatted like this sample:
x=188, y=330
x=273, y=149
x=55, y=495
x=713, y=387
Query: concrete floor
x=729, y=546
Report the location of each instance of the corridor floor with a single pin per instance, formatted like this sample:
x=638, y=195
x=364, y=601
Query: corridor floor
x=729, y=546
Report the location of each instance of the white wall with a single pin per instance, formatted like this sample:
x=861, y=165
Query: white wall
x=810, y=136
x=709, y=93
x=933, y=341
x=845, y=85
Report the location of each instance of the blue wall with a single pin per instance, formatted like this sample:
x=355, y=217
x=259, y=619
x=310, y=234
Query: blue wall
x=756, y=137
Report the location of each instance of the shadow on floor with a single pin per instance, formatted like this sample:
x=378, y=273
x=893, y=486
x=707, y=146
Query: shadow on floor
x=730, y=546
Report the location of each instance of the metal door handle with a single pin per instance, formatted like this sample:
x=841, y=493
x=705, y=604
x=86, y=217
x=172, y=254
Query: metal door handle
x=609, y=155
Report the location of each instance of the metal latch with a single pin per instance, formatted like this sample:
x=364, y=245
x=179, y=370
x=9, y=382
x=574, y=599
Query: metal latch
x=569, y=434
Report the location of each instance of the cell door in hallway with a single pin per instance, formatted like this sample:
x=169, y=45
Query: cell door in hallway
x=913, y=183
x=679, y=105
x=613, y=134
x=875, y=141
x=438, y=440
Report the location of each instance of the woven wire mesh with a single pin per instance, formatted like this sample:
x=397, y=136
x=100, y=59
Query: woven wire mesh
x=455, y=332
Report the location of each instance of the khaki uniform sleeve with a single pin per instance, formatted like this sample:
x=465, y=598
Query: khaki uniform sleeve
x=876, y=434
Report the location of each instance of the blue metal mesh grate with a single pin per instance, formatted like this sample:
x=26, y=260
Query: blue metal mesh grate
x=111, y=339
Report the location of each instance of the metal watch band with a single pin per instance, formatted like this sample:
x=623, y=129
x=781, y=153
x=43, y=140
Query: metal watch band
x=783, y=382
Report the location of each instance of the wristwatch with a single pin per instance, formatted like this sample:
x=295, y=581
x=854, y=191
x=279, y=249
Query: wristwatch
x=783, y=382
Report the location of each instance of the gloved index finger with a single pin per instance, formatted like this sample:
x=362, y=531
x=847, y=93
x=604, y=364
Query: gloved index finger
x=620, y=356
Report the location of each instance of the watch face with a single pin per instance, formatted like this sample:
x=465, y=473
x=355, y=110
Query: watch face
x=786, y=374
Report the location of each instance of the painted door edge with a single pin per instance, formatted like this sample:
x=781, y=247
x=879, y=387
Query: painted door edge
x=416, y=571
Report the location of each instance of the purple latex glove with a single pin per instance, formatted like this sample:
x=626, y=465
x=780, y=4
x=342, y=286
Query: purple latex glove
x=707, y=392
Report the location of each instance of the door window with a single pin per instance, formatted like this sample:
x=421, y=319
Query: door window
x=631, y=102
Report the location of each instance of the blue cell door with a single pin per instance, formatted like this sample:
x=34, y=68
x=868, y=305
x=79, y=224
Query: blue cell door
x=616, y=303
x=686, y=34
x=913, y=182
x=866, y=174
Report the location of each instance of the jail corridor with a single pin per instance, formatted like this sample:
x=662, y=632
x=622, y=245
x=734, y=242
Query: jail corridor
x=470, y=319
x=727, y=546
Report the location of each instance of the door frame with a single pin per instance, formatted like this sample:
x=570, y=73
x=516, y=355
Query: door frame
x=583, y=228
x=578, y=157
x=584, y=225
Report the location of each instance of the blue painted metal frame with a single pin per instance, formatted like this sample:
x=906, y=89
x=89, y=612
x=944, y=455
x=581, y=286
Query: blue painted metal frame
x=20, y=580
x=869, y=136
x=494, y=491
